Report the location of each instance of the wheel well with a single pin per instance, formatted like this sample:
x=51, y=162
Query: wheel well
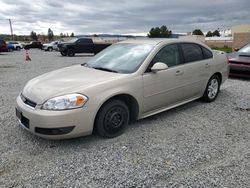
x=130, y=101
x=219, y=75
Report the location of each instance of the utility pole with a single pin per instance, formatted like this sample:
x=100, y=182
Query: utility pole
x=11, y=30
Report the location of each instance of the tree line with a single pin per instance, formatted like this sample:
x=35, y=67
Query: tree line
x=50, y=35
x=155, y=32
x=164, y=32
x=209, y=33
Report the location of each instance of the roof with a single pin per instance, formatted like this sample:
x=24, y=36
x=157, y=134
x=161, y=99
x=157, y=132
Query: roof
x=154, y=41
x=158, y=40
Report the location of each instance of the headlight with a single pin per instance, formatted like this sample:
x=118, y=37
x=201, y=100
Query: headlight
x=65, y=102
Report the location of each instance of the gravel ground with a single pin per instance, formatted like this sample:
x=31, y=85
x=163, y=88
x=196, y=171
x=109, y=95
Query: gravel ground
x=195, y=145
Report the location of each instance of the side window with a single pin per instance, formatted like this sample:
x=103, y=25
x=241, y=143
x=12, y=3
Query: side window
x=168, y=55
x=191, y=52
x=84, y=41
x=206, y=53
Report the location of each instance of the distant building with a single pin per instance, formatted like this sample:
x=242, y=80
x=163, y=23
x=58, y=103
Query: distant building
x=226, y=33
x=200, y=38
x=244, y=28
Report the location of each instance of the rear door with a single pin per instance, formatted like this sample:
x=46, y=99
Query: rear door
x=84, y=45
x=197, y=62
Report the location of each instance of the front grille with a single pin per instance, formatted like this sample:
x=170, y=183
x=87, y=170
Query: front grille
x=28, y=102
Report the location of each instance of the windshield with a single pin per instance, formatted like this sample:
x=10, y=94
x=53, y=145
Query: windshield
x=245, y=49
x=122, y=58
x=73, y=40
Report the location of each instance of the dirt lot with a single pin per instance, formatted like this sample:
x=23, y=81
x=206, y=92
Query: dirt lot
x=195, y=145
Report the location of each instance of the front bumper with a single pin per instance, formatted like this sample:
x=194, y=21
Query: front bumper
x=44, y=47
x=240, y=70
x=34, y=120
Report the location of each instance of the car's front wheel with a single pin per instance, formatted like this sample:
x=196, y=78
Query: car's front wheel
x=112, y=119
x=18, y=48
x=212, y=89
x=63, y=53
x=50, y=49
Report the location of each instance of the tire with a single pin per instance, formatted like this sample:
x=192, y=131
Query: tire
x=63, y=53
x=50, y=49
x=18, y=48
x=212, y=89
x=112, y=119
x=71, y=52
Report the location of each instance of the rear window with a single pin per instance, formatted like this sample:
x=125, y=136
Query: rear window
x=206, y=53
x=191, y=52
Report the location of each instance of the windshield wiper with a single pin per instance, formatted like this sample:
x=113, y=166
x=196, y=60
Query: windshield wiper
x=104, y=69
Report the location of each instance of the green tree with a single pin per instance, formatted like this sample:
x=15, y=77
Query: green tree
x=216, y=33
x=33, y=36
x=209, y=34
x=161, y=32
x=197, y=32
x=50, y=34
x=72, y=35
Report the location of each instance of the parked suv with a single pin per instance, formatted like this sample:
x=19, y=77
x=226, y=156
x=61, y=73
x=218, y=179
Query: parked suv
x=34, y=44
x=3, y=46
x=16, y=45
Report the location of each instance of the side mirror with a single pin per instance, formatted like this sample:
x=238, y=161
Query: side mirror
x=236, y=49
x=159, y=66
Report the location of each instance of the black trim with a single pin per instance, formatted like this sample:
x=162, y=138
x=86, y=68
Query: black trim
x=25, y=121
x=54, y=131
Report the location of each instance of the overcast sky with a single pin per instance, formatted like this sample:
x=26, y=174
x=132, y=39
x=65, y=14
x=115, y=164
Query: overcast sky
x=120, y=16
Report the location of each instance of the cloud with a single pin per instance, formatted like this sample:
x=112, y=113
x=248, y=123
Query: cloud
x=119, y=17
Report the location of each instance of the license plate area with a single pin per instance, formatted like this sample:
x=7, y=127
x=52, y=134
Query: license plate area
x=25, y=121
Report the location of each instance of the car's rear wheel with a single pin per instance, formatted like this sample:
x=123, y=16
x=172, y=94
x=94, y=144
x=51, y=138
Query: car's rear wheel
x=71, y=52
x=18, y=48
x=212, y=89
x=50, y=49
x=112, y=119
x=63, y=53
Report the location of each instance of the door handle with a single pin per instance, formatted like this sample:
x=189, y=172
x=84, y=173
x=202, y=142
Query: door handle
x=207, y=65
x=178, y=72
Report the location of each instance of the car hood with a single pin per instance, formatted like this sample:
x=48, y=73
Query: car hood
x=64, y=81
x=239, y=57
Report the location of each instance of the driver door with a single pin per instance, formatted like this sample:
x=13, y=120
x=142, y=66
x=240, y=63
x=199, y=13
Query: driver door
x=163, y=88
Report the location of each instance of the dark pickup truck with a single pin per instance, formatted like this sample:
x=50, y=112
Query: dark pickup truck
x=34, y=44
x=81, y=45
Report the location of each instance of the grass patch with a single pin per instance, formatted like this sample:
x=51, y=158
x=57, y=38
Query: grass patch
x=224, y=49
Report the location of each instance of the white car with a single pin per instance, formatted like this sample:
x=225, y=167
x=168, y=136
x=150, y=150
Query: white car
x=50, y=46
